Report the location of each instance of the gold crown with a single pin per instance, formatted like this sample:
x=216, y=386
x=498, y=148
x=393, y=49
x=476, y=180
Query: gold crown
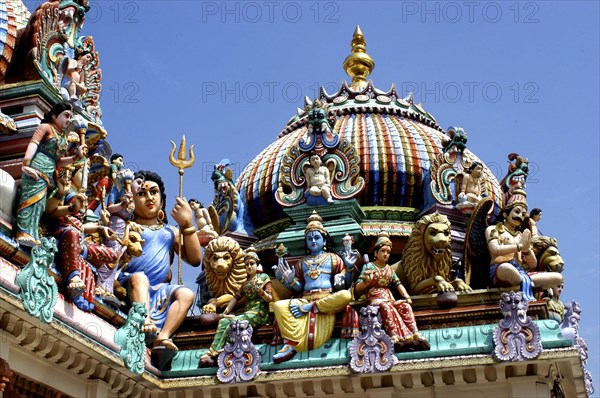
x=315, y=223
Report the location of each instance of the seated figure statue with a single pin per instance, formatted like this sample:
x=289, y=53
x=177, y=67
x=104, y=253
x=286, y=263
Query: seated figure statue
x=257, y=291
x=470, y=188
x=64, y=217
x=318, y=178
x=148, y=277
x=322, y=278
x=397, y=316
x=511, y=253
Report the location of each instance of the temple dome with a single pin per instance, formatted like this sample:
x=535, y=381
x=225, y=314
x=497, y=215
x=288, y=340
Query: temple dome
x=13, y=16
x=395, y=139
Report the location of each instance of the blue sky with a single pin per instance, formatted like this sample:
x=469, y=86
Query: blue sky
x=518, y=76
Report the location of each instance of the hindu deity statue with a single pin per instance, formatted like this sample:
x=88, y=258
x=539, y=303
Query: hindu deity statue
x=149, y=275
x=322, y=279
x=120, y=207
x=470, y=188
x=203, y=221
x=74, y=83
x=510, y=250
x=397, y=315
x=535, y=215
x=65, y=211
x=257, y=291
x=318, y=178
x=556, y=309
x=47, y=150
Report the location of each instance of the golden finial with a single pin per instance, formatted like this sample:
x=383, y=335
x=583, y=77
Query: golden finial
x=358, y=65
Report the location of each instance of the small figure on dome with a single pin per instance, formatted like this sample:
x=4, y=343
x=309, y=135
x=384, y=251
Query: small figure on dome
x=148, y=276
x=323, y=279
x=511, y=253
x=257, y=291
x=470, y=188
x=75, y=72
x=397, y=315
x=318, y=178
x=47, y=150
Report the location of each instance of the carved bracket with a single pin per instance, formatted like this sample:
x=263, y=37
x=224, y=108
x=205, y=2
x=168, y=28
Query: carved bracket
x=240, y=361
x=372, y=350
x=516, y=338
x=132, y=340
x=39, y=292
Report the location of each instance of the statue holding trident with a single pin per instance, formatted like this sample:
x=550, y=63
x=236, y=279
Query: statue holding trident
x=181, y=163
x=148, y=276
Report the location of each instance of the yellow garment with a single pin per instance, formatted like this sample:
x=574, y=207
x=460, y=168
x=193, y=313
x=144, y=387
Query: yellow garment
x=296, y=330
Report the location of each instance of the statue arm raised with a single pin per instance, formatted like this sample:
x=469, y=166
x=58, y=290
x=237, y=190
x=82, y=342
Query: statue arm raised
x=182, y=214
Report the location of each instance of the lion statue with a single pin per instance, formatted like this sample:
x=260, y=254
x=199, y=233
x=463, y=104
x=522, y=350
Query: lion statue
x=427, y=258
x=225, y=271
x=547, y=254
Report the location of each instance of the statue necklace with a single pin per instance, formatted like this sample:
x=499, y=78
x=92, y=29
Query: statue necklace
x=61, y=141
x=314, y=264
x=153, y=227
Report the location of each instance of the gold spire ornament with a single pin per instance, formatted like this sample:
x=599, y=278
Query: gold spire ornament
x=181, y=163
x=358, y=65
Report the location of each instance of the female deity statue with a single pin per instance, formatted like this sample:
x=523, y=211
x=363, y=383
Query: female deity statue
x=257, y=291
x=397, y=316
x=148, y=276
x=46, y=151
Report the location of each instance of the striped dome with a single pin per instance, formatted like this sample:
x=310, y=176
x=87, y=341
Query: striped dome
x=396, y=142
x=13, y=16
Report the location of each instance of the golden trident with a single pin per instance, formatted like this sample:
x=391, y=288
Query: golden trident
x=181, y=163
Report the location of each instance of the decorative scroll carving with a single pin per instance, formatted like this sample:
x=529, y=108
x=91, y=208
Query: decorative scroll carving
x=132, y=340
x=321, y=167
x=570, y=330
x=516, y=338
x=38, y=289
x=240, y=360
x=372, y=350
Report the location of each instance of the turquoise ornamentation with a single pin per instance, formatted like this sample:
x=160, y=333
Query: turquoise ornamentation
x=131, y=338
x=38, y=289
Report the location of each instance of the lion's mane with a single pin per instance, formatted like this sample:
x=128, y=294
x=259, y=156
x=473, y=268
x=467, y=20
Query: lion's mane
x=237, y=271
x=417, y=263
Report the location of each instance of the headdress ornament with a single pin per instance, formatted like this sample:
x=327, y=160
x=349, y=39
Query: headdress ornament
x=251, y=252
x=383, y=240
x=518, y=198
x=315, y=223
